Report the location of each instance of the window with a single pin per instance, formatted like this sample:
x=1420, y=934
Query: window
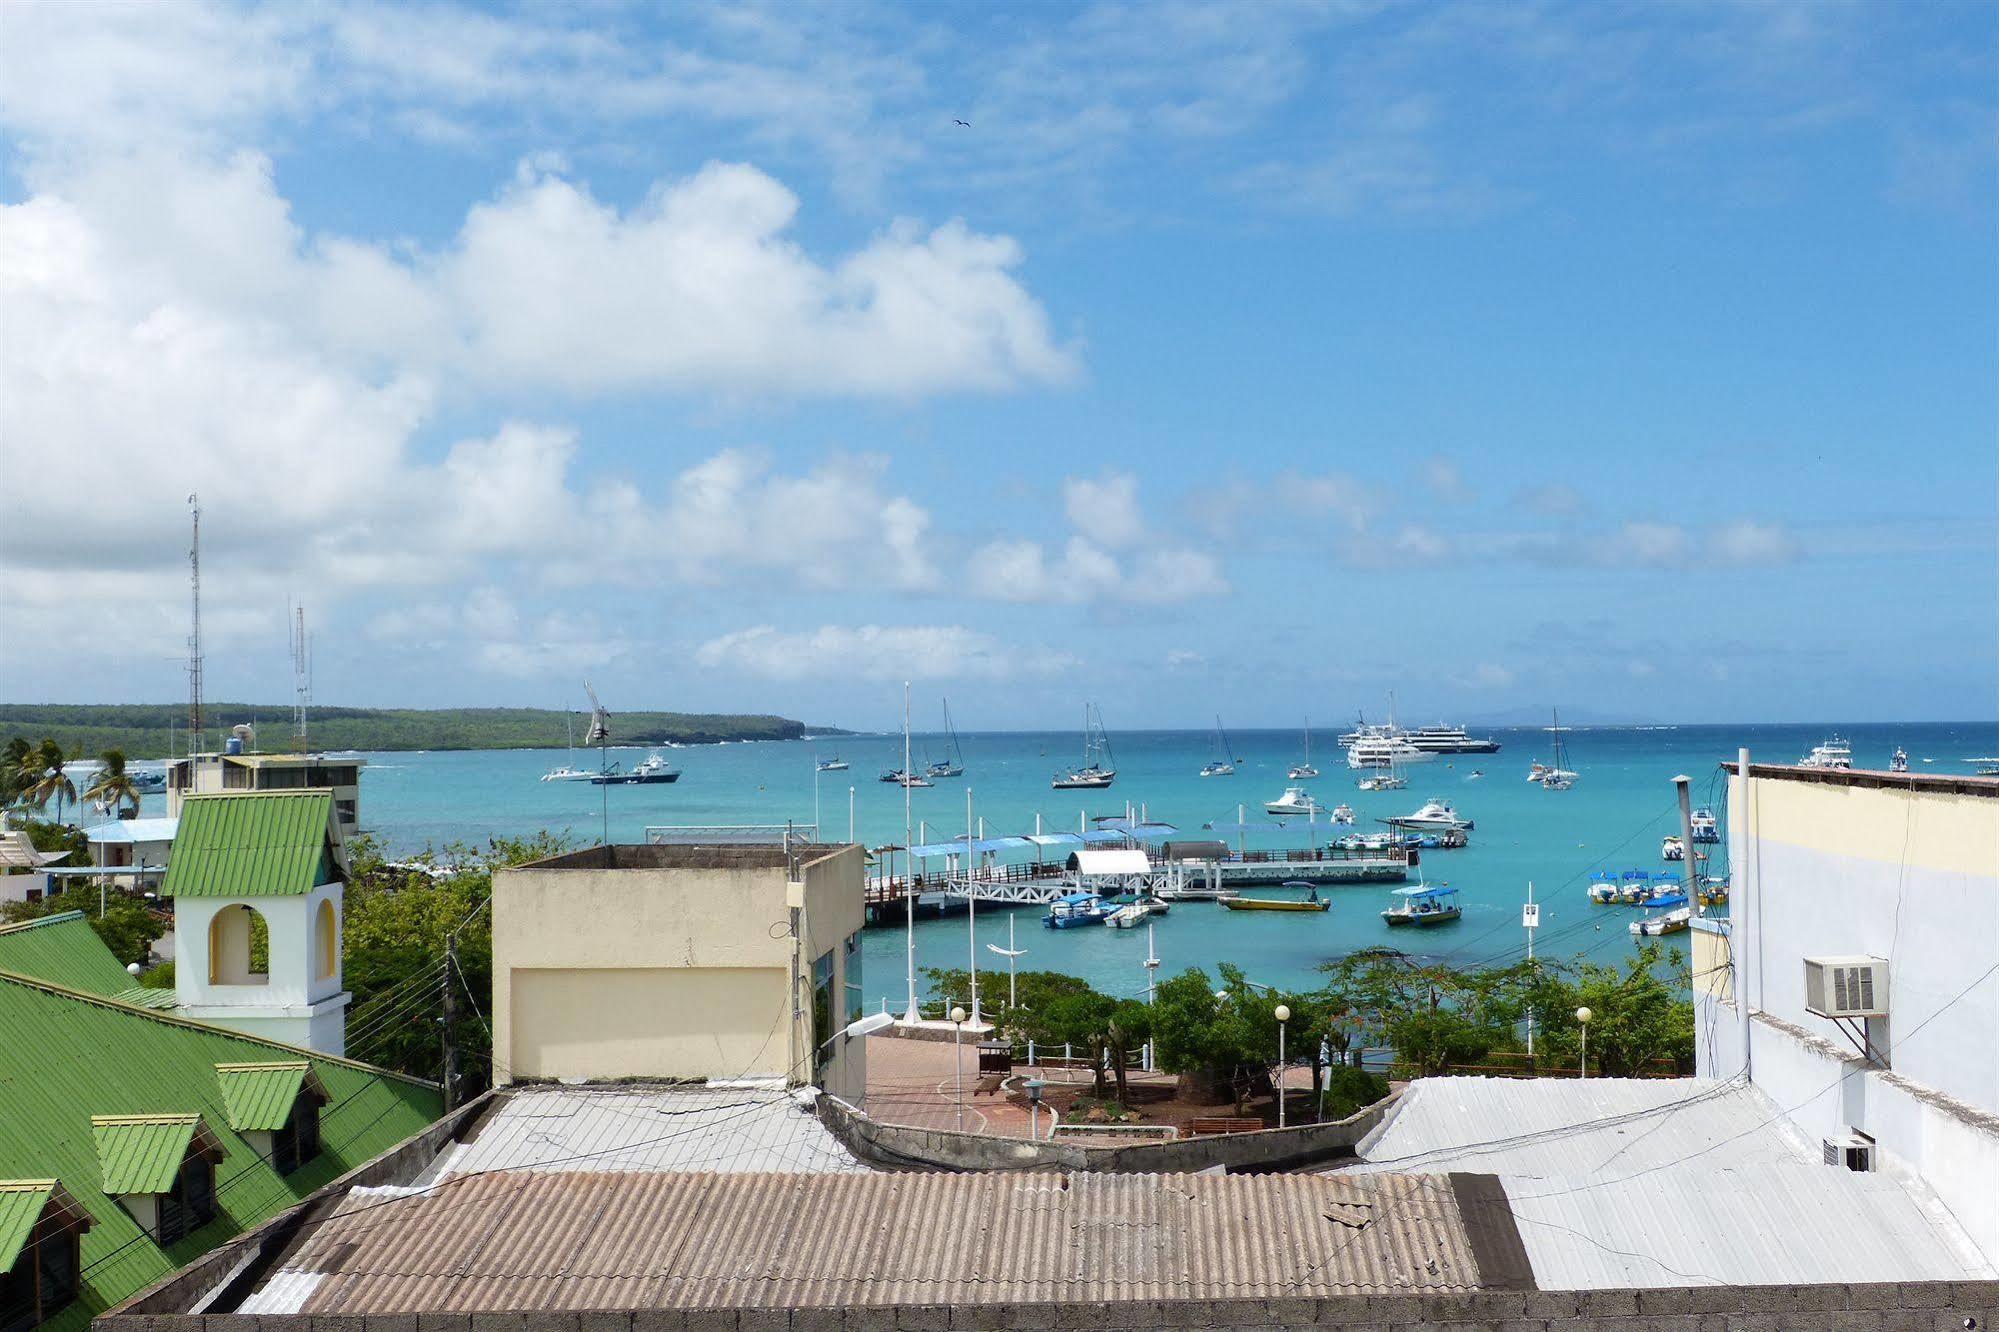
x=297, y=1143
x=325, y=941
x=822, y=1010
x=238, y=947
x=850, y=977
x=190, y=1205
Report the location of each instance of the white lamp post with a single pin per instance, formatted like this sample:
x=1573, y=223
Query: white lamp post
x=1283, y=1016
x=958, y=1060
x=1583, y=1015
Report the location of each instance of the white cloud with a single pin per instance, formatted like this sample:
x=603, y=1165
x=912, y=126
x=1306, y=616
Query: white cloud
x=1647, y=542
x=1345, y=497
x=1746, y=542
x=1105, y=507
x=876, y=652
x=1442, y=480
x=1554, y=500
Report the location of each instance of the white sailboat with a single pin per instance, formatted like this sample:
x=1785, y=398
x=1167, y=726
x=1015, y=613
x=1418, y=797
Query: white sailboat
x=1555, y=774
x=1223, y=763
x=568, y=771
x=1299, y=772
x=1098, y=768
x=953, y=762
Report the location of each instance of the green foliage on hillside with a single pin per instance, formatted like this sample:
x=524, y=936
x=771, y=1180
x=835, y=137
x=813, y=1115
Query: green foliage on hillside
x=142, y=730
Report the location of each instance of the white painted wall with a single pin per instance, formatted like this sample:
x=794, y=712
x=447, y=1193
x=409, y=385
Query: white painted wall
x=297, y=1001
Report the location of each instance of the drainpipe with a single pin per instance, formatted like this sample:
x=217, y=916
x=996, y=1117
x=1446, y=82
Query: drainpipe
x=1740, y=922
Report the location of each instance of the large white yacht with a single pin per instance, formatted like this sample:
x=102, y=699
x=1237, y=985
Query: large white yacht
x=1833, y=753
x=1382, y=747
x=1435, y=814
x=1449, y=740
x=1295, y=800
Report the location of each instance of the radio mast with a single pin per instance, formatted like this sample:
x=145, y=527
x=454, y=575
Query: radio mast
x=194, y=727
x=301, y=680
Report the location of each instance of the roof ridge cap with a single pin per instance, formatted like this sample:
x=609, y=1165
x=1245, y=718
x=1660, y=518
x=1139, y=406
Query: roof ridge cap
x=14, y=927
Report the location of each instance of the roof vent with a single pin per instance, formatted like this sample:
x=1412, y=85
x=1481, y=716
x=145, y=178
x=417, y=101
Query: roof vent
x=1846, y=987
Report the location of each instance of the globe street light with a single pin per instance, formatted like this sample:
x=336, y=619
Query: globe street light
x=1283, y=1016
x=1583, y=1015
x=958, y=1060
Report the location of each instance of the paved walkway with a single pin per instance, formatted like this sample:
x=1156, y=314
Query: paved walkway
x=915, y=1083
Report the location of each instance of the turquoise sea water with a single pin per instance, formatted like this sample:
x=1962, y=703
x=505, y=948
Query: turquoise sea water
x=1613, y=817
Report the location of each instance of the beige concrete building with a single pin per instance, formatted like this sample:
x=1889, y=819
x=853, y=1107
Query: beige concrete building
x=213, y=774
x=673, y=961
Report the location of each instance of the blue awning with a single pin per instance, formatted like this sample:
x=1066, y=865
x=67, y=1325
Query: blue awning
x=1138, y=827
x=980, y=845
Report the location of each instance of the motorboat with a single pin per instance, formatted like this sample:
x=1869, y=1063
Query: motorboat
x=1668, y=922
x=834, y=764
x=1706, y=830
x=1712, y=892
x=1443, y=839
x=1382, y=781
x=1310, y=902
x=910, y=780
x=1425, y=904
x=1098, y=768
x=1900, y=761
x=1434, y=814
x=1343, y=815
x=1366, y=842
x=1634, y=887
x=1304, y=771
x=1074, y=909
x=1833, y=753
x=1295, y=800
x=1223, y=763
x=1136, y=913
x=653, y=771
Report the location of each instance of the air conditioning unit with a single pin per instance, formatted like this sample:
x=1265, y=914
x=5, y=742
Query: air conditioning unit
x=1852, y=1152
x=1846, y=987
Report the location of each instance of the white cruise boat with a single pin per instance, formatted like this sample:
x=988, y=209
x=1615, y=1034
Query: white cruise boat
x=1449, y=740
x=1434, y=815
x=1832, y=753
x=1295, y=800
x=1380, y=747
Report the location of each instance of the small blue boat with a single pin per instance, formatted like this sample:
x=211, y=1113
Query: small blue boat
x=1074, y=909
x=1425, y=904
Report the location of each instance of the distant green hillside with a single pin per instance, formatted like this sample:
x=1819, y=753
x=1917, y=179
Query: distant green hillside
x=141, y=729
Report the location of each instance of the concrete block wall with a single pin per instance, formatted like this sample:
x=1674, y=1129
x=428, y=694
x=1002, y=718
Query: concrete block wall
x=1891, y=1307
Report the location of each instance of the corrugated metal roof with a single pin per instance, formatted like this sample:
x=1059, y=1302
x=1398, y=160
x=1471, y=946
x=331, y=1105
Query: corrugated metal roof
x=143, y=1153
x=65, y=951
x=1751, y=1225
x=21, y=1204
x=648, y=1128
x=66, y=1056
x=250, y=843
x=259, y=1097
x=17, y=851
x=132, y=830
x=569, y=1240
x=1563, y=1126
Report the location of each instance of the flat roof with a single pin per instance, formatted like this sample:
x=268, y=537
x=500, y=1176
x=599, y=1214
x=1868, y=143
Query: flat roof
x=686, y=855
x=1932, y=783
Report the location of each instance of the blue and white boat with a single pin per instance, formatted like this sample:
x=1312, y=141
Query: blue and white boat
x=1425, y=904
x=1074, y=909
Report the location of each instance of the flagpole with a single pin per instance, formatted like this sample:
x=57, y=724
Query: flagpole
x=908, y=863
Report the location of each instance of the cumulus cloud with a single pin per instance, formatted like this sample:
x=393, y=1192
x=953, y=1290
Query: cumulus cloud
x=1442, y=480
x=1106, y=507
x=876, y=652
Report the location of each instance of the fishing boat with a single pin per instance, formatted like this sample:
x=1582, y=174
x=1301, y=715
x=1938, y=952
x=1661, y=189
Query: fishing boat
x=1986, y=767
x=1434, y=814
x=1712, y=892
x=1366, y=842
x=953, y=762
x=1074, y=909
x=1300, y=772
x=1555, y=774
x=654, y=771
x=1098, y=768
x=1310, y=902
x=1706, y=830
x=1136, y=913
x=834, y=764
x=1833, y=753
x=1444, y=839
x=1666, y=922
x=1425, y=904
x=1295, y=800
x=1603, y=887
x=1223, y=763
x=1343, y=814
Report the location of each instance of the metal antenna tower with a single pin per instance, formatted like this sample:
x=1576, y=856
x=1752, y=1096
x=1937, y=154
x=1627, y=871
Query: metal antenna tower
x=194, y=727
x=301, y=680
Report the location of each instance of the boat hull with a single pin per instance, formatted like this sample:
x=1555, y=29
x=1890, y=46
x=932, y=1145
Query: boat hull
x=1421, y=918
x=1272, y=904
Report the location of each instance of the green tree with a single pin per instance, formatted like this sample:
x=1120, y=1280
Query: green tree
x=13, y=763
x=113, y=786
x=126, y=924
x=1221, y=1042
x=1636, y=1016
x=41, y=779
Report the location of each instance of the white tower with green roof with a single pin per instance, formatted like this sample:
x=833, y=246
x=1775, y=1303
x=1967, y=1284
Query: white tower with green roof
x=256, y=880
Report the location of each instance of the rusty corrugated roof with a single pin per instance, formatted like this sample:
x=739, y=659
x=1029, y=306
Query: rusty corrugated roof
x=673, y=1239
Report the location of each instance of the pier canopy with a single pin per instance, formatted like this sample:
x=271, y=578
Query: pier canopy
x=1137, y=828
x=1109, y=863
x=979, y=845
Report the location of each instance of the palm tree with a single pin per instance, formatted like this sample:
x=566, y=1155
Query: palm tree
x=112, y=786
x=12, y=760
x=43, y=778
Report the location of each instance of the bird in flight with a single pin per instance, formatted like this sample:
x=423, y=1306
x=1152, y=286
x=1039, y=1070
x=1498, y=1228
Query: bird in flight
x=966, y=123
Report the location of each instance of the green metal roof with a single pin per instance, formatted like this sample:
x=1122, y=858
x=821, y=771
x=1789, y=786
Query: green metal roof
x=259, y=1097
x=67, y=1056
x=21, y=1204
x=143, y=1153
x=62, y=949
x=251, y=844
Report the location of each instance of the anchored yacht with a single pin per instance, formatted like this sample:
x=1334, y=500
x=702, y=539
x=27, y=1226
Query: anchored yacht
x=1295, y=800
x=1434, y=814
x=1380, y=747
x=1832, y=753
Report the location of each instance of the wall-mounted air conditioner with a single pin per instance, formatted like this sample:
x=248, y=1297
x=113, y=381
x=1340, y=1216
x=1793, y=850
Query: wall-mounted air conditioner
x=1846, y=987
x=1852, y=1152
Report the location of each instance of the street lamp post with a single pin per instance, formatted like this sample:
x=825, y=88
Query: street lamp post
x=958, y=1060
x=1583, y=1015
x=1010, y=953
x=1283, y=1016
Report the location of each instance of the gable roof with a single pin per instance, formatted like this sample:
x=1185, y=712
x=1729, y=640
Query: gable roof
x=68, y=1056
x=22, y=1202
x=143, y=1153
x=252, y=844
x=259, y=1097
x=64, y=950
x=132, y=830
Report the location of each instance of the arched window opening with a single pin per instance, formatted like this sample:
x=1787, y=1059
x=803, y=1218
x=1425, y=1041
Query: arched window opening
x=325, y=941
x=238, y=947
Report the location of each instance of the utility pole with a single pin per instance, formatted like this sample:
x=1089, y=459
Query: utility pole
x=1688, y=874
x=194, y=724
x=450, y=1022
x=1530, y=918
x=971, y=909
x=850, y=813
x=914, y=1014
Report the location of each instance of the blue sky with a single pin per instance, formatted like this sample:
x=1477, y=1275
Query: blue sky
x=1642, y=360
